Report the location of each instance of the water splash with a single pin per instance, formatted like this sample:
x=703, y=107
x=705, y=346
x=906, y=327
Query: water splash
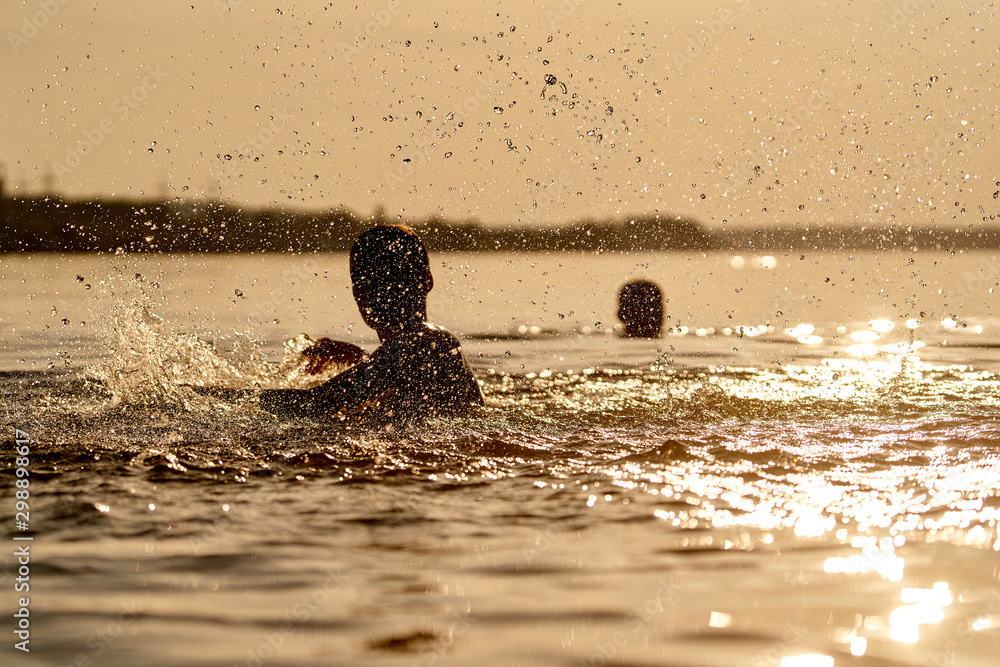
x=148, y=364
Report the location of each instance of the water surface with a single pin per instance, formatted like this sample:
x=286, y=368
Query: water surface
x=801, y=475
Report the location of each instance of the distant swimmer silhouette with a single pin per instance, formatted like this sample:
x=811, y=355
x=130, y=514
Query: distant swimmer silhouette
x=418, y=371
x=640, y=308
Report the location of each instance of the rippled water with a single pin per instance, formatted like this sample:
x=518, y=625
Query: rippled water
x=754, y=489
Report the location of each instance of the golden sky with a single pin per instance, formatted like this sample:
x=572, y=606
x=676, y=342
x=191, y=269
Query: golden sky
x=737, y=112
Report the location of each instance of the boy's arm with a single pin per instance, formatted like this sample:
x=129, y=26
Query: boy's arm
x=349, y=389
x=326, y=351
x=223, y=393
x=326, y=399
x=290, y=402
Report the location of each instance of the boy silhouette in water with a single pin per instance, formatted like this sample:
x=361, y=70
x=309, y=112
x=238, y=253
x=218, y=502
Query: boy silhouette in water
x=640, y=308
x=419, y=370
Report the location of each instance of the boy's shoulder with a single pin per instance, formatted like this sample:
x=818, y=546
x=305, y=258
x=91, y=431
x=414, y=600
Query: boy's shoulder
x=430, y=374
x=436, y=332
x=426, y=334
x=422, y=347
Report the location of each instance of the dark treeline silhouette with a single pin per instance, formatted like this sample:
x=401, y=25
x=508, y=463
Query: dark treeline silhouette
x=859, y=237
x=652, y=232
x=35, y=224
x=49, y=223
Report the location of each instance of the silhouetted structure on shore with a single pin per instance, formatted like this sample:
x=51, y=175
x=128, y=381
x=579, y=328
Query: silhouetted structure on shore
x=51, y=224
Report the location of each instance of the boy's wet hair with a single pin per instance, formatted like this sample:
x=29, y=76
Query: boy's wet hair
x=392, y=252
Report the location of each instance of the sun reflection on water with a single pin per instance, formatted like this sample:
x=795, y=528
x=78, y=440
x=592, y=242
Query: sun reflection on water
x=807, y=660
x=864, y=457
x=882, y=326
x=865, y=336
x=876, y=556
x=920, y=607
x=790, y=453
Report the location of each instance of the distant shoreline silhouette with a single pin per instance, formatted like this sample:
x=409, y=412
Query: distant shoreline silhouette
x=48, y=223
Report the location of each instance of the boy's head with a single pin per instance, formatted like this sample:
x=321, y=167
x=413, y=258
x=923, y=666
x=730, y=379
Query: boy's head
x=391, y=276
x=640, y=308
